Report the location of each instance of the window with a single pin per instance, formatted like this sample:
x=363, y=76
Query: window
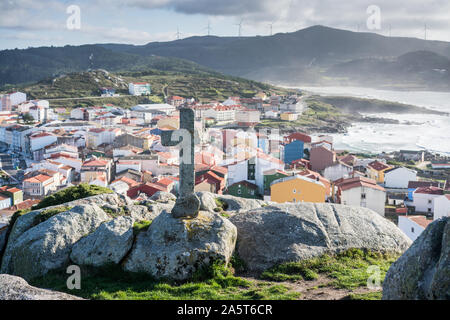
x=239, y=191
x=294, y=200
x=412, y=229
x=252, y=192
x=294, y=191
x=363, y=195
x=429, y=201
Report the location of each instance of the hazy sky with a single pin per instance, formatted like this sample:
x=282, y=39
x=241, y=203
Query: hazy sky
x=25, y=23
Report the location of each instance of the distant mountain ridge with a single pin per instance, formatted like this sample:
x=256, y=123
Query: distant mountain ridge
x=308, y=56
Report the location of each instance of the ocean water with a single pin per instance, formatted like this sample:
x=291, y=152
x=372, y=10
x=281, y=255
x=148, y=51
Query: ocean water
x=430, y=132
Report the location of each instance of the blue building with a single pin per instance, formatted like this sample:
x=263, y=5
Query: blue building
x=263, y=144
x=293, y=151
x=155, y=132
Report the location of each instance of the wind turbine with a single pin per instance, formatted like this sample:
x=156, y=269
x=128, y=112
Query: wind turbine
x=178, y=34
x=271, y=28
x=209, y=28
x=240, y=27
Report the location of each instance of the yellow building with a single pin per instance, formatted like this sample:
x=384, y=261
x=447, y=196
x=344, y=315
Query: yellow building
x=297, y=189
x=376, y=170
x=288, y=116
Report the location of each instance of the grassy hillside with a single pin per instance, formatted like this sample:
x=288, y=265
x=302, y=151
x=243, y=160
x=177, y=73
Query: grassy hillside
x=306, y=56
x=35, y=64
x=83, y=88
x=359, y=105
x=343, y=276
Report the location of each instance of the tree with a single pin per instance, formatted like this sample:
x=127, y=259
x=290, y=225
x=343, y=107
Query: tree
x=27, y=118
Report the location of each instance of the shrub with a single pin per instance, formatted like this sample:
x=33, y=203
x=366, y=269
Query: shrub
x=47, y=214
x=140, y=226
x=70, y=194
x=221, y=204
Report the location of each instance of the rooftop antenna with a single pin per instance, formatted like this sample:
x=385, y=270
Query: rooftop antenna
x=271, y=28
x=178, y=34
x=240, y=27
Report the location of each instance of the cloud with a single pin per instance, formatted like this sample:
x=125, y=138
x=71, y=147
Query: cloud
x=30, y=15
x=405, y=18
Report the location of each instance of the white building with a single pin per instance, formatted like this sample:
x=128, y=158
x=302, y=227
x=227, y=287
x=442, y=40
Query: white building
x=41, y=140
x=424, y=199
x=337, y=171
x=413, y=226
x=220, y=113
x=293, y=104
x=139, y=89
x=98, y=136
x=77, y=113
x=252, y=170
x=154, y=108
x=123, y=165
x=7, y=101
x=72, y=162
x=442, y=206
x=42, y=112
x=248, y=116
x=398, y=178
x=361, y=192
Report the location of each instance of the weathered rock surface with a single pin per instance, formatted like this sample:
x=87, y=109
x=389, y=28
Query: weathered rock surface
x=2, y=241
x=207, y=201
x=234, y=204
x=164, y=197
x=240, y=204
x=423, y=271
x=292, y=232
x=108, y=244
x=187, y=206
x=176, y=248
x=110, y=199
x=140, y=212
x=16, y=288
x=47, y=245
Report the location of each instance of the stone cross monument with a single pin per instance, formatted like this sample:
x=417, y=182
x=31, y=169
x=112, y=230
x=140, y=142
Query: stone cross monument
x=188, y=204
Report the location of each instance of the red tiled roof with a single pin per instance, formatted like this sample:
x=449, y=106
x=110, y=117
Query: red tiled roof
x=420, y=184
x=128, y=181
x=430, y=190
x=346, y=184
x=37, y=179
x=246, y=183
x=95, y=163
x=299, y=136
x=420, y=220
x=166, y=182
x=220, y=169
x=378, y=166
x=41, y=135
x=26, y=204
